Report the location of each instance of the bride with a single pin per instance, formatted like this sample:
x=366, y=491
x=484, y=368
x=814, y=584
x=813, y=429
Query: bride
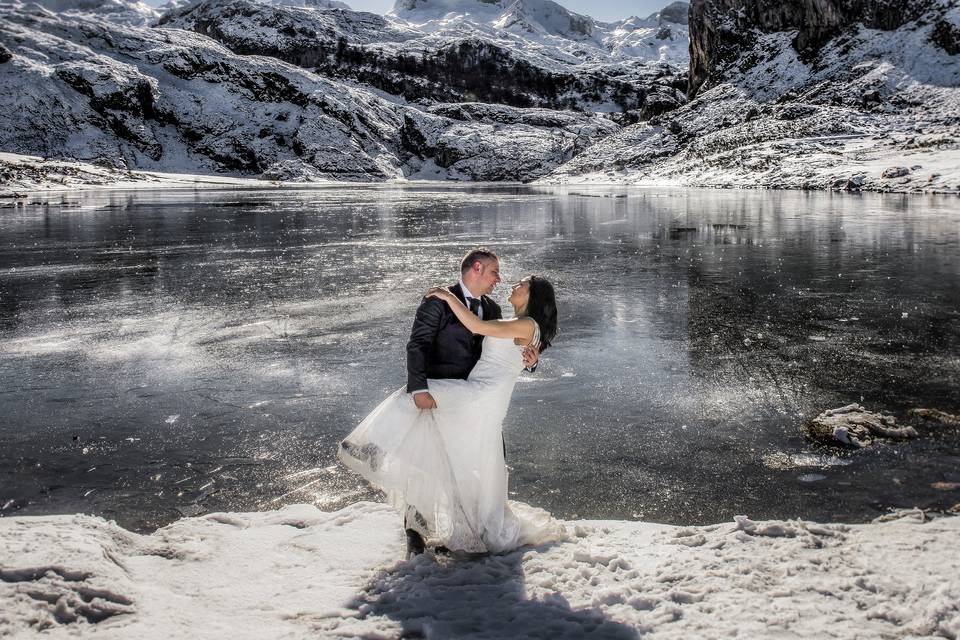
x=446, y=465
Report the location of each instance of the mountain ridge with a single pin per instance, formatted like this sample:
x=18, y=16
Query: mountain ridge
x=245, y=88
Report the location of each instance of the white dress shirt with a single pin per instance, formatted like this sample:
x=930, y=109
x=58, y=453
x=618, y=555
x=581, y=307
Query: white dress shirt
x=467, y=295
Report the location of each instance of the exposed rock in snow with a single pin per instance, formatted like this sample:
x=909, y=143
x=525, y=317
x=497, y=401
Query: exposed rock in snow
x=176, y=101
x=854, y=426
x=836, y=117
x=291, y=171
x=253, y=26
x=319, y=5
x=302, y=573
x=675, y=12
x=491, y=142
x=895, y=172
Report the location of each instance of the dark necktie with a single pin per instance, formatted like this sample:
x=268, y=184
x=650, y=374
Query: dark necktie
x=474, y=306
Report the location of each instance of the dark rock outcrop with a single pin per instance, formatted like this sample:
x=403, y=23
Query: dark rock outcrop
x=946, y=35
x=720, y=30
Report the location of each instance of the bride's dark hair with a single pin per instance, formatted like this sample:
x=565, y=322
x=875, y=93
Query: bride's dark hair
x=542, y=307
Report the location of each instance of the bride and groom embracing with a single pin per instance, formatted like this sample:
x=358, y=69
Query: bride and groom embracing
x=435, y=446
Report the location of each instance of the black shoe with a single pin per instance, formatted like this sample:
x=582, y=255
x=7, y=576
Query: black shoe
x=415, y=545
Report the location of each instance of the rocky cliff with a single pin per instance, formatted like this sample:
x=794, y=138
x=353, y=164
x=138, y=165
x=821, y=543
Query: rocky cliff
x=722, y=30
x=843, y=94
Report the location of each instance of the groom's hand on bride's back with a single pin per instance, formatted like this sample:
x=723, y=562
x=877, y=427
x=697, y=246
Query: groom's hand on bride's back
x=424, y=400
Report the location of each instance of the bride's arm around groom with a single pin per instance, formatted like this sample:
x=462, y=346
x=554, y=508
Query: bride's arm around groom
x=520, y=328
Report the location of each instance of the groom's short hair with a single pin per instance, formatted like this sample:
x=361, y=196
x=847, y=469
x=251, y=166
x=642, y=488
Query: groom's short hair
x=480, y=253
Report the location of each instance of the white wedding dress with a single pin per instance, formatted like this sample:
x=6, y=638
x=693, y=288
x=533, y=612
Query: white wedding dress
x=445, y=467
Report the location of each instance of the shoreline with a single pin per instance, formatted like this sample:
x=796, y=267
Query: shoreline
x=93, y=177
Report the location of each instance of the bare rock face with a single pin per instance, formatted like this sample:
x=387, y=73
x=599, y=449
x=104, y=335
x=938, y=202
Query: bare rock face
x=720, y=30
x=853, y=426
x=676, y=12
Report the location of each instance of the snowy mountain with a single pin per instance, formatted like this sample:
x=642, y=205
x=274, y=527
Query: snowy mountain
x=851, y=94
x=172, y=100
x=528, y=17
x=867, y=97
x=456, y=64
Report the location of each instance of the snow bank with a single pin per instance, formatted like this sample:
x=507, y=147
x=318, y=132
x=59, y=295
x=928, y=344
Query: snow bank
x=19, y=174
x=300, y=572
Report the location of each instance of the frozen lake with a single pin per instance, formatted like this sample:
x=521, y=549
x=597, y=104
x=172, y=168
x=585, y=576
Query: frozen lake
x=168, y=353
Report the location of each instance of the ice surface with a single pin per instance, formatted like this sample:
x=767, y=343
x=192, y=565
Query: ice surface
x=272, y=320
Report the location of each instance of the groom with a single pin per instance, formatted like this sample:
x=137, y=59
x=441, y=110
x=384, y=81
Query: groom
x=441, y=347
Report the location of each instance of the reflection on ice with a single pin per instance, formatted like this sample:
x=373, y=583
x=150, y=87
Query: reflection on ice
x=780, y=460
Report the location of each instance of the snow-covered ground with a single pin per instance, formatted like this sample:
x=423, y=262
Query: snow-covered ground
x=300, y=572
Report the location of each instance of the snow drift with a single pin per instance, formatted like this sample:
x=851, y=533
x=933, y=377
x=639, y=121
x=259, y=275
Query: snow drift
x=299, y=572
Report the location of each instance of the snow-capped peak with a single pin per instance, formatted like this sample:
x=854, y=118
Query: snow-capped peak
x=543, y=17
x=661, y=37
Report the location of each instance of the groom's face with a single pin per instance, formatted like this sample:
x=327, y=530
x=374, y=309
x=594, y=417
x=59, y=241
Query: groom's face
x=488, y=275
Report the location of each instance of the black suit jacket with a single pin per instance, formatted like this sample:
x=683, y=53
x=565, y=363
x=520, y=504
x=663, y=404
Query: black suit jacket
x=440, y=346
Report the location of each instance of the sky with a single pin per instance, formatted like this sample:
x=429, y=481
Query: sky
x=599, y=9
